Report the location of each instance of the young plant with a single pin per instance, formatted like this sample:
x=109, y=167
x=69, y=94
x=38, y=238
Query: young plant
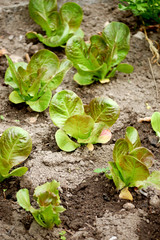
x=59, y=26
x=101, y=58
x=147, y=9
x=87, y=124
x=15, y=147
x=155, y=122
x=34, y=82
x=47, y=197
x=131, y=163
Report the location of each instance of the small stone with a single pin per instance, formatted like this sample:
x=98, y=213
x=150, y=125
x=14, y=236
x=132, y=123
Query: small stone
x=139, y=35
x=11, y=37
x=153, y=140
x=87, y=12
x=155, y=201
x=113, y=238
x=128, y=206
x=16, y=58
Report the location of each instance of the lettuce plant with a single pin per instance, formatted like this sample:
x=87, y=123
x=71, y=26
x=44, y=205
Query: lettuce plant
x=15, y=147
x=155, y=122
x=86, y=124
x=101, y=58
x=131, y=163
x=59, y=26
x=33, y=83
x=147, y=9
x=47, y=197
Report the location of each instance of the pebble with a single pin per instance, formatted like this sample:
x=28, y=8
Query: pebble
x=155, y=201
x=128, y=206
x=113, y=238
x=11, y=37
x=139, y=35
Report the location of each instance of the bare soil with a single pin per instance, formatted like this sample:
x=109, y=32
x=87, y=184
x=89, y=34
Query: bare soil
x=94, y=210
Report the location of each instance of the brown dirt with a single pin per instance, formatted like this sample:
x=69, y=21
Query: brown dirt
x=94, y=211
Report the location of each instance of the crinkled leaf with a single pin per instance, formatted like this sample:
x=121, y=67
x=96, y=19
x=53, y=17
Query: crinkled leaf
x=132, y=137
x=77, y=52
x=15, y=145
x=79, y=126
x=72, y=14
x=98, y=49
x=125, y=68
x=40, y=11
x=44, y=217
x=143, y=155
x=23, y=199
x=155, y=122
x=44, y=59
x=63, y=105
x=64, y=142
x=47, y=194
x=41, y=103
x=8, y=75
x=117, y=37
x=116, y=176
x=15, y=97
x=104, y=110
x=133, y=170
x=65, y=65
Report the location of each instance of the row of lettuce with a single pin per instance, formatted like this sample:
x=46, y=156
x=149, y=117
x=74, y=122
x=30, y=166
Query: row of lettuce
x=129, y=168
x=33, y=83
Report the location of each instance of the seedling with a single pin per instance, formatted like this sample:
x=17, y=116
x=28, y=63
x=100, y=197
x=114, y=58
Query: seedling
x=131, y=164
x=47, y=197
x=15, y=147
x=62, y=237
x=34, y=83
x=155, y=122
x=87, y=124
x=59, y=26
x=147, y=9
x=101, y=58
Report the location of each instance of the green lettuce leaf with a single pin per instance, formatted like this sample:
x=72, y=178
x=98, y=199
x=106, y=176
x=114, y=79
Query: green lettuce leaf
x=155, y=122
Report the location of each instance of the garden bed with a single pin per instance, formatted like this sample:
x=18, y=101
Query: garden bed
x=94, y=210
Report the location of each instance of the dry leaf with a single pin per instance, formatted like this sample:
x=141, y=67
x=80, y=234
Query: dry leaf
x=90, y=146
x=104, y=81
x=125, y=194
x=145, y=119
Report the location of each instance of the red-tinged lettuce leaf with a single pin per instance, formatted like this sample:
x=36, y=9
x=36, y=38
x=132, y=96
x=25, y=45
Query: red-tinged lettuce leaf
x=72, y=14
x=64, y=142
x=132, y=137
x=40, y=11
x=155, y=122
x=117, y=37
x=132, y=170
x=41, y=103
x=105, y=136
x=98, y=49
x=47, y=194
x=44, y=59
x=116, y=175
x=103, y=110
x=15, y=145
x=79, y=126
x=121, y=149
x=143, y=155
x=63, y=105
